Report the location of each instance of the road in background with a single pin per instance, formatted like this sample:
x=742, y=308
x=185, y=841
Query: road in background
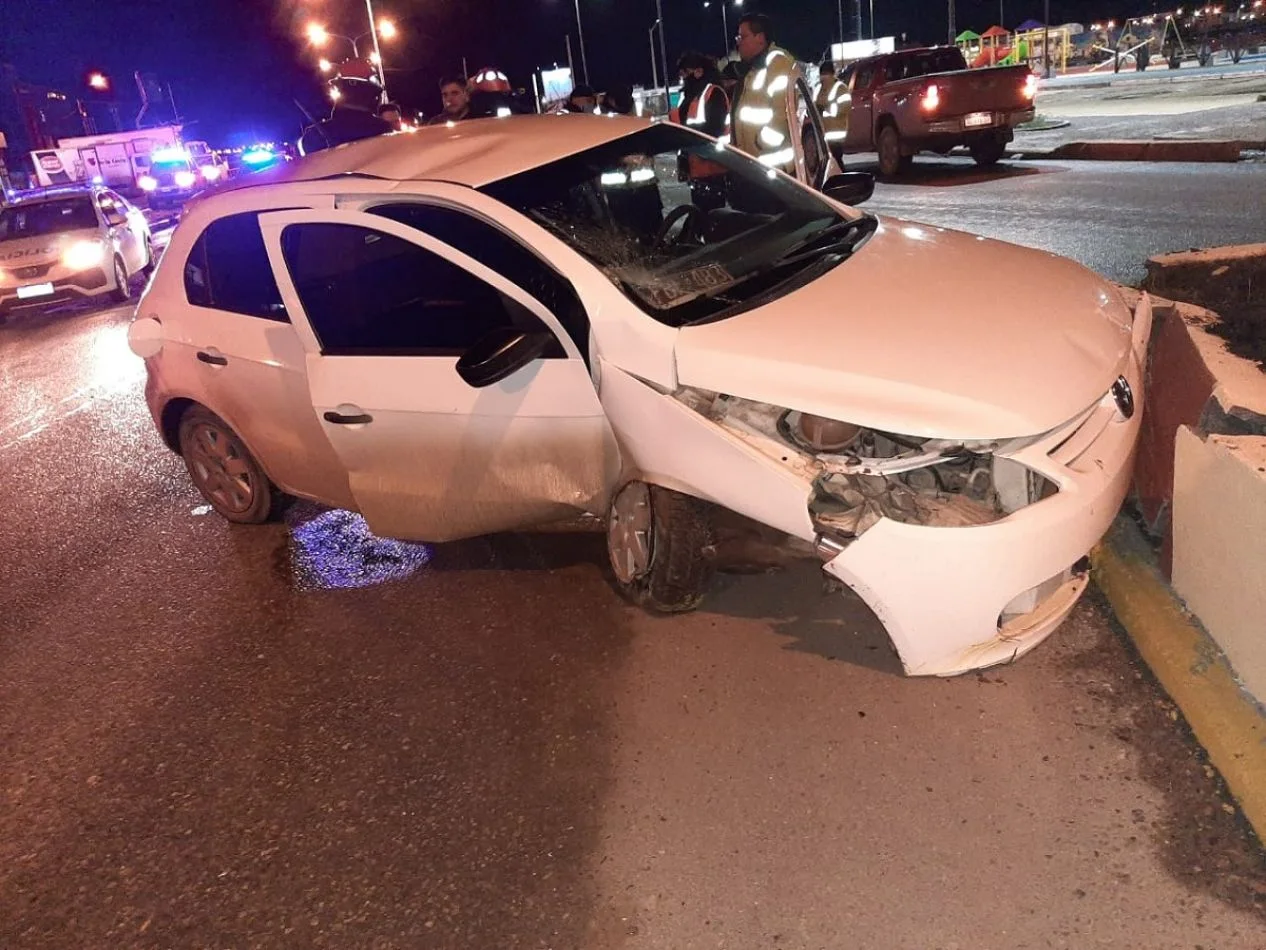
x=298, y=735
x=1110, y=216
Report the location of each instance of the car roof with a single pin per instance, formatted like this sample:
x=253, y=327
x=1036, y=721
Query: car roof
x=473, y=152
x=56, y=193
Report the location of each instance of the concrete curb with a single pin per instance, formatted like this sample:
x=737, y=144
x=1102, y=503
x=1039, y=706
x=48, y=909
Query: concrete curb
x=1144, y=150
x=1190, y=667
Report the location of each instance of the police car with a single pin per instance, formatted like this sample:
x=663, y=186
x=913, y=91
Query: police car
x=62, y=244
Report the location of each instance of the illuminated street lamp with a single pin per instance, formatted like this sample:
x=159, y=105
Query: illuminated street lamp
x=98, y=81
x=317, y=34
x=725, y=25
x=387, y=30
x=325, y=64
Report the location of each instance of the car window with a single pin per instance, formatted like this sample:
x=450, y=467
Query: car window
x=811, y=135
x=369, y=293
x=864, y=76
x=228, y=269
x=683, y=251
x=500, y=252
x=47, y=217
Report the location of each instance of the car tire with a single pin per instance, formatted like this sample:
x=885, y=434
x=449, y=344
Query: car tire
x=150, y=263
x=660, y=543
x=122, y=291
x=224, y=471
x=891, y=161
x=988, y=152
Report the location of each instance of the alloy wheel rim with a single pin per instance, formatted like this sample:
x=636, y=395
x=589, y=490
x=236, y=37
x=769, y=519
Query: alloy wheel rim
x=220, y=469
x=629, y=532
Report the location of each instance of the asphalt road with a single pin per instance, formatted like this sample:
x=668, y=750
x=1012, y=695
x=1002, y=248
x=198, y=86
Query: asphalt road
x=1110, y=216
x=300, y=736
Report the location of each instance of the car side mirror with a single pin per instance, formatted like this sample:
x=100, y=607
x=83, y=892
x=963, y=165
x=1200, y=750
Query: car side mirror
x=502, y=353
x=850, y=188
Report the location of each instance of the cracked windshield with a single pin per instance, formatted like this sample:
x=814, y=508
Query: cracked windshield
x=689, y=230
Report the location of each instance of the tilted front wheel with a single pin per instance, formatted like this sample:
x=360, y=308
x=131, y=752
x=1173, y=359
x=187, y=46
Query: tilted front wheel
x=660, y=545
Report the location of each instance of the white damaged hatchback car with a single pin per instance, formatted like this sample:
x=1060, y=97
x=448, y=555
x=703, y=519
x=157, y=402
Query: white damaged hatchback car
x=508, y=322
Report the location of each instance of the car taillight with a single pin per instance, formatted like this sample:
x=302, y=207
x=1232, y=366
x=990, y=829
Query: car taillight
x=931, y=98
x=1030, y=86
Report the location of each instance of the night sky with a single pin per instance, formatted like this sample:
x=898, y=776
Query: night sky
x=237, y=65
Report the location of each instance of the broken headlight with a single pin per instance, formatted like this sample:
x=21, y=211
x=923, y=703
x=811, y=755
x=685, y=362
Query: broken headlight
x=867, y=475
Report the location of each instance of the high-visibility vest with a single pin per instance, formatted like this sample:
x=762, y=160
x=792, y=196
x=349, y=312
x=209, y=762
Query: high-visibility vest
x=697, y=166
x=761, y=125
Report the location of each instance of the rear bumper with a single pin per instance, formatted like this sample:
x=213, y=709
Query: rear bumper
x=1000, y=124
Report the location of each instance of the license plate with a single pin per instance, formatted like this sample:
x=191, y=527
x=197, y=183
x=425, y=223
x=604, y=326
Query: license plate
x=977, y=119
x=34, y=290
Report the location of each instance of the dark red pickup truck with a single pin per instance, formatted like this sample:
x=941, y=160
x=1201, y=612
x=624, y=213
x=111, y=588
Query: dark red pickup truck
x=928, y=100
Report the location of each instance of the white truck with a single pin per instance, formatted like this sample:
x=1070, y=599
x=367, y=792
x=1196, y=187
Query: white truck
x=115, y=159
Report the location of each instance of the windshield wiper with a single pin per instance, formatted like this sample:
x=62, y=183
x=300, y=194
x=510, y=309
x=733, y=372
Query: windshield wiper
x=857, y=229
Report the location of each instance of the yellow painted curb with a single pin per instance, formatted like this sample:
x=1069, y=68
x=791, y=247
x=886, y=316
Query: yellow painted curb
x=1189, y=666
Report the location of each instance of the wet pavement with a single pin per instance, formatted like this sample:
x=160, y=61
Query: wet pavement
x=297, y=735
x=1110, y=216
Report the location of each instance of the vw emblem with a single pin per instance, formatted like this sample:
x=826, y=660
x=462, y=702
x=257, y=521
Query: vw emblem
x=1124, y=396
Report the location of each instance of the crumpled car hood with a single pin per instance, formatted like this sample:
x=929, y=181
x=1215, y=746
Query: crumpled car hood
x=40, y=249
x=925, y=332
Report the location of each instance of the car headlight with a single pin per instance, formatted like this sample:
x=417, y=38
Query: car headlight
x=185, y=179
x=211, y=172
x=147, y=182
x=84, y=254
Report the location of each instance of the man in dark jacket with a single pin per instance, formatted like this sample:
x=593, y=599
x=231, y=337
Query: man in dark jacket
x=356, y=96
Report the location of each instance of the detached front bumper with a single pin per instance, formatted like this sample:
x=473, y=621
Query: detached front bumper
x=942, y=592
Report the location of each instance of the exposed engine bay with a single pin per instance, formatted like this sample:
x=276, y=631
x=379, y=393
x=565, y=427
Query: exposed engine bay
x=861, y=475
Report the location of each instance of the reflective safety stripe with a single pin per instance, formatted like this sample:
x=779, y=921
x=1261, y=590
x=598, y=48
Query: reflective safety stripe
x=771, y=137
x=759, y=82
x=780, y=157
x=642, y=174
x=772, y=55
x=836, y=135
x=756, y=115
x=778, y=85
x=723, y=140
x=502, y=112
x=614, y=178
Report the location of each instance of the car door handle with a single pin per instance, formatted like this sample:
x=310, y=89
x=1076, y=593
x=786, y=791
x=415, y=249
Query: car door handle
x=215, y=359
x=356, y=419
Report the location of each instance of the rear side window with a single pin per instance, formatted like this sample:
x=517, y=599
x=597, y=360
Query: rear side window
x=864, y=76
x=501, y=253
x=228, y=269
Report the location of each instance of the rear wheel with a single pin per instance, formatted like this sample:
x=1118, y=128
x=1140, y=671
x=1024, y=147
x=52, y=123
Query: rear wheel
x=660, y=545
x=122, y=292
x=223, y=469
x=891, y=161
x=988, y=152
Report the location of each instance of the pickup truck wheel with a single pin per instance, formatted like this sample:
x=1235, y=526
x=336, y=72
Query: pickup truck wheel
x=659, y=542
x=891, y=161
x=988, y=152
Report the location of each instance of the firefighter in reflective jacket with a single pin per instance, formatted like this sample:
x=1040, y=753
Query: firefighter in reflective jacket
x=760, y=119
x=834, y=104
x=705, y=108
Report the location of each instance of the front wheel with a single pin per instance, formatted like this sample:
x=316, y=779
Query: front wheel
x=988, y=152
x=891, y=161
x=223, y=469
x=121, y=293
x=660, y=545
x=150, y=263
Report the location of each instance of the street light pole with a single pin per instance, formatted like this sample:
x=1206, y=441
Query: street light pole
x=872, y=19
x=663, y=48
x=373, y=31
x=1046, y=39
x=580, y=34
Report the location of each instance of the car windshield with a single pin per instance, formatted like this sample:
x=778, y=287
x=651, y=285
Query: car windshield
x=171, y=165
x=47, y=217
x=689, y=230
